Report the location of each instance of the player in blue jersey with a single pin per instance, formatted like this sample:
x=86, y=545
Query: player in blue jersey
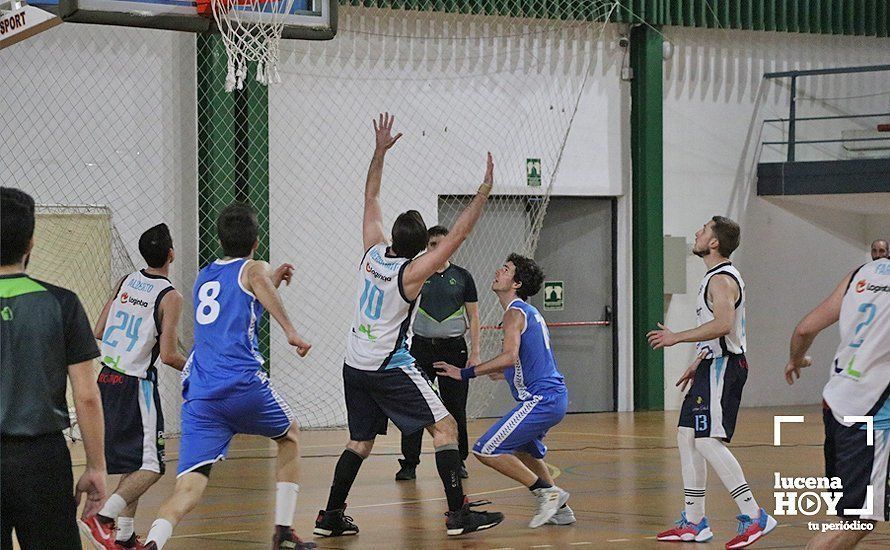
x=514, y=445
x=225, y=389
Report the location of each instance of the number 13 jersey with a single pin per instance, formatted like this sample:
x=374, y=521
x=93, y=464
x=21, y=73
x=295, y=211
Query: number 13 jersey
x=130, y=342
x=378, y=339
x=226, y=343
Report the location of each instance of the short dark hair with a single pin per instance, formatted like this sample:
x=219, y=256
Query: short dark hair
x=437, y=231
x=409, y=235
x=238, y=229
x=155, y=245
x=728, y=235
x=528, y=273
x=17, y=220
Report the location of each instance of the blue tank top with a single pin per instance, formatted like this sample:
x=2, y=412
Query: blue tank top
x=536, y=372
x=226, y=351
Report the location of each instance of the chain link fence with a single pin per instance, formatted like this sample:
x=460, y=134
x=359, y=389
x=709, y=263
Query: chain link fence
x=118, y=129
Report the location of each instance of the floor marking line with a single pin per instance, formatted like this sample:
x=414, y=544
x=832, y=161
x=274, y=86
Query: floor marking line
x=617, y=540
x=197, y=535
x=542, y=546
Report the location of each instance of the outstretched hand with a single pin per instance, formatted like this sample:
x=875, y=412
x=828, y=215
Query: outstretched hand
x=663, y=338
x=489, y=171
x=447, y=370
x=792, y=369
x=284, y=273
x=383, y=132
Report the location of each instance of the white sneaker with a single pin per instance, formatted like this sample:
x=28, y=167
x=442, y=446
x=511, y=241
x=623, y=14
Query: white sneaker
x=548, y=505
x=563, y=516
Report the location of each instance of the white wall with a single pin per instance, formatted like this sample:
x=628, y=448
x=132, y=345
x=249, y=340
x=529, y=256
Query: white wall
x=791, y=255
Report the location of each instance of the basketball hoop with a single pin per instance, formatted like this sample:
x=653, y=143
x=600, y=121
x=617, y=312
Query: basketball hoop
x=251, y=31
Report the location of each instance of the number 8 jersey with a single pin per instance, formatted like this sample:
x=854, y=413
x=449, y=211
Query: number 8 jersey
x=378, y=339
x=130, y=342
x=226, y=343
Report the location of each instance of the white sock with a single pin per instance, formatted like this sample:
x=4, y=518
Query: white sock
x=113, y=506
x=727, y=467
x=285, y=502
x=695, y=475
x=124, y=528
x=160, y=532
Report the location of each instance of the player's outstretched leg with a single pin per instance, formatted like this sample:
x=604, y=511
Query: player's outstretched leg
x=461, y=518
x=549, y=497
x=286, y=491
x=332, y=521
x=189, y=488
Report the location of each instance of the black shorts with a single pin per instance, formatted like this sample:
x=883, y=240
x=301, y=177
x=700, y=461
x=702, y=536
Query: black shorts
x=402, y=395
x=712, y=405
x=858, y=465
x=134, y=423
x=38, y=493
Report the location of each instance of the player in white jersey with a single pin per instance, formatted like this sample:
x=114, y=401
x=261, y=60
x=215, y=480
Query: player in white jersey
x=138, y=327
x=381, y=382
x=710, y=409
x=858, y=386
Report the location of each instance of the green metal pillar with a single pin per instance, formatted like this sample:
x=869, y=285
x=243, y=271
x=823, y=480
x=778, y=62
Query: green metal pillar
x=647, y=204
x=233, y=153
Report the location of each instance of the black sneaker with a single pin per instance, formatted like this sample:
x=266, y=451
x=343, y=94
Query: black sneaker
x=463, y=471
x=333, y=523
x=406, y=473
x=466, y=521
x=286, y=539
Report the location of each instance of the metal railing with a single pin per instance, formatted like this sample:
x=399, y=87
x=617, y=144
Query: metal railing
x=793, y=119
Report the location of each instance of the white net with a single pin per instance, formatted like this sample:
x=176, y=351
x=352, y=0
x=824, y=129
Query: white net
x=459, y=85
x=251, y=31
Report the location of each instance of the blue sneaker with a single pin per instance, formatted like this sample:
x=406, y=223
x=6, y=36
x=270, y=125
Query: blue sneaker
x=686, y=531
x=751, y=530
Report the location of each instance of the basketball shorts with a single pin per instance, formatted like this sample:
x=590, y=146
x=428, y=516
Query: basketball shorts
x=208, y=425
x=400, y=394
x=523, y=429
x=860, y=467
x=134, y=423
x=712, y=405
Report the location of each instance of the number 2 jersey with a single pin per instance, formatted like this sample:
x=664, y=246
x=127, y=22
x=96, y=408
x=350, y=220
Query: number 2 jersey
x=378, y=339
x=130, y=343
x=860, y=374
x=226, y=352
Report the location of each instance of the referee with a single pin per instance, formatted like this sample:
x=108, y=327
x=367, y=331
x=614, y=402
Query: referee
x=45, y=336
x=448, y=307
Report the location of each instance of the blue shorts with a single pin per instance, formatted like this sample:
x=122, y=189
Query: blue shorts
x=523, y=429
x=208, y=425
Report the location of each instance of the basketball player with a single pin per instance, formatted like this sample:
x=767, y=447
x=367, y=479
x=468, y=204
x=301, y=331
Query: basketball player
x=380, y=379
x=708, y=415
x=859, y=386
x=514, y=445
x=225, y=389
x=137, y=326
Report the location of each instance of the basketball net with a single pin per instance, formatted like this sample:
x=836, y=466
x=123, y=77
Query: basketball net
x=251, y=31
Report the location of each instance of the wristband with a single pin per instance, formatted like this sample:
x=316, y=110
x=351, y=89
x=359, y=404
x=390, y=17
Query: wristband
x=468, y=372
x=485, y=189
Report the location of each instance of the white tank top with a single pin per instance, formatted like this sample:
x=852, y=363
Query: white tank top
x=860, y=373
x=379, y=337
x=130, y=343
x=735, y=342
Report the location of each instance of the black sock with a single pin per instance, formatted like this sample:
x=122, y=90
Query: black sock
x=539, y=484
x=344, y=476
x=448, y=464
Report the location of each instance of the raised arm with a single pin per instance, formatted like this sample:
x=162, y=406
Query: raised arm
x=420, y=269
x=372, y=222
x=170, y=310
x=723, y=293
x=826, y=314
x=258, y=279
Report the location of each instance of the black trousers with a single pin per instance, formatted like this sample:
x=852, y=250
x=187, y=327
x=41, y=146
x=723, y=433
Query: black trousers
x=38, y=493
x=427, y=351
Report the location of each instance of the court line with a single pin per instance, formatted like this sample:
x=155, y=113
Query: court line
x=198, y=535
x=660, y=438
x=610, y=540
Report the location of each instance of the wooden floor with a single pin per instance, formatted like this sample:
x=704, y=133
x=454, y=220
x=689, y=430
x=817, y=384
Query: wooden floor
x=623, y=471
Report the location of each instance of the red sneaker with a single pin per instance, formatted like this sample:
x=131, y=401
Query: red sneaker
x=686, y=531
x=751, y=530
x=99, y=530
x=286, y=539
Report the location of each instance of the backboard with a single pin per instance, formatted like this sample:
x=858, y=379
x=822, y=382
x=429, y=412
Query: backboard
x=307, y=20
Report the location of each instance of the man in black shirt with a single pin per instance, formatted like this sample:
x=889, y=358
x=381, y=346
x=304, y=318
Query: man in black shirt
x=448, y=307
x=45, y=335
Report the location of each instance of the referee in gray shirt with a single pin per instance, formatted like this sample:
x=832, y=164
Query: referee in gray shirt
x=448, y=308
x=45, y=337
